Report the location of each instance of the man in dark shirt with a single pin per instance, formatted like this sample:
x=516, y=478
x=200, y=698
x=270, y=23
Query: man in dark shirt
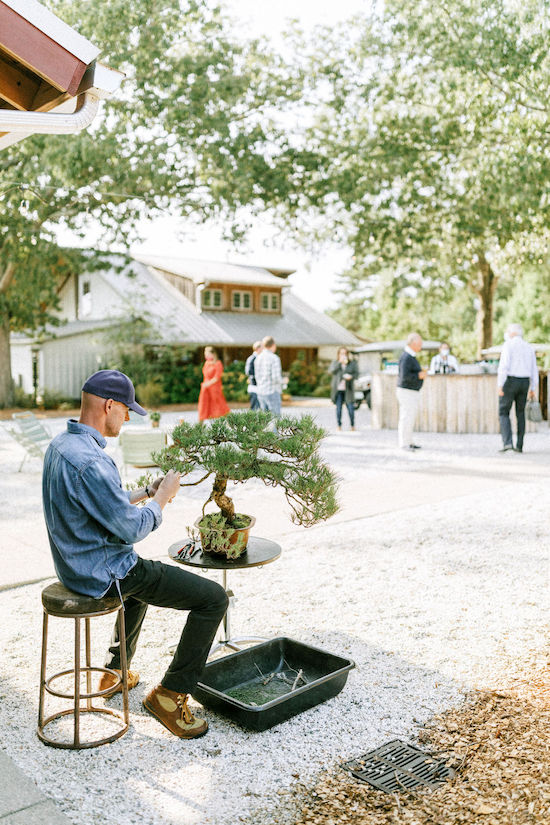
x=409, y=383
x=249, y=370
x=92, y=526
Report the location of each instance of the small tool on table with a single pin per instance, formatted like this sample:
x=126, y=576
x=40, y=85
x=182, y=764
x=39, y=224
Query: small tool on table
x=189, y=549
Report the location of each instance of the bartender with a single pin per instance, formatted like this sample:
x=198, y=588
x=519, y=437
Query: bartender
x=444, y=363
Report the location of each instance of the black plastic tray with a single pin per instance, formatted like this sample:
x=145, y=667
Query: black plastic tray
x=242, y=672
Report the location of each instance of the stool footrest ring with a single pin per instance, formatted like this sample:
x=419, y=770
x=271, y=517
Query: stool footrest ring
x=109, y=690
x=81, y=745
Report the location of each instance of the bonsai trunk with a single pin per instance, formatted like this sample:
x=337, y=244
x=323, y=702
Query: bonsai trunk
x=222, y=500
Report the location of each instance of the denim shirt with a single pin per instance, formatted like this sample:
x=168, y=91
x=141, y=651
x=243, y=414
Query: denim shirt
x=91, y=524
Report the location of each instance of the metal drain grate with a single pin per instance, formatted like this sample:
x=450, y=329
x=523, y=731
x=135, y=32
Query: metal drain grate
x=397, y=766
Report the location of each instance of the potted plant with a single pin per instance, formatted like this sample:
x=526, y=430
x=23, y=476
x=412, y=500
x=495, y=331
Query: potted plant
x=281, y=452
x=154, y=418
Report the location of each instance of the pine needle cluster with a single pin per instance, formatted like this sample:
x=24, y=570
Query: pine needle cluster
x=281, y=452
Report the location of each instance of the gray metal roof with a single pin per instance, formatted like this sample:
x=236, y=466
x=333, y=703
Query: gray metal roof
x=205, y=272
x=177, y=320
x=180, y=321
x=65, y=330
x=497, y=349
x=389, y=346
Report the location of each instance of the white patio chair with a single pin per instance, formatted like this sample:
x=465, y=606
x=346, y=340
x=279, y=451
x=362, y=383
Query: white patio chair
x=33, y=436
x=138, y=445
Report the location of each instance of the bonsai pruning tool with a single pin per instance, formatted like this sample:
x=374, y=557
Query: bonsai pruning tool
x=189, y=549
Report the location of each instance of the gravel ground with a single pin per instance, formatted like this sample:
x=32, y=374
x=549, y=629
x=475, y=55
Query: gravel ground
x=428, y=600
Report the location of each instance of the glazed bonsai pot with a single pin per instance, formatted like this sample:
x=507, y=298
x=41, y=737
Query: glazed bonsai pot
x=222, y=540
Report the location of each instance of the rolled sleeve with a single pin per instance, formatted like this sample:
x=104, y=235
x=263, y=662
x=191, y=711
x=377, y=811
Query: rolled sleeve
x=101, y=494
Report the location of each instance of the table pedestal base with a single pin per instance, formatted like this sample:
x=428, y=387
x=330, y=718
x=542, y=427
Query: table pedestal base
x=259, y=552
x=226, y=641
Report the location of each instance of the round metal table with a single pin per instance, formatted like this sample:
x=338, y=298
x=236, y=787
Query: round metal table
x=259, y=552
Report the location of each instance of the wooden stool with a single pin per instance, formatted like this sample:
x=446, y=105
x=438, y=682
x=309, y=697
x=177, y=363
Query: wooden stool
x=57, y=600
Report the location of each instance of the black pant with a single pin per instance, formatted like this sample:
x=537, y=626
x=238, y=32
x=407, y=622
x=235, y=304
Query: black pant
x=163, y=585
x=515, y=392
x=254, y=403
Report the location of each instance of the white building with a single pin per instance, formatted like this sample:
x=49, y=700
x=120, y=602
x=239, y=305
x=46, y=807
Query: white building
x=190, y=303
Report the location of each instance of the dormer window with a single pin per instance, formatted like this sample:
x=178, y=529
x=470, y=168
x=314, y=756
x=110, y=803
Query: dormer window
x=241, y=300
x=212, y=299
x=270, y=302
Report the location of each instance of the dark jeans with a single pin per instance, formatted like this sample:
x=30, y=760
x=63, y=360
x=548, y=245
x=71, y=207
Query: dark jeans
x=254, y=403
x=515, y=392
x=163, y=585
x=340, y=395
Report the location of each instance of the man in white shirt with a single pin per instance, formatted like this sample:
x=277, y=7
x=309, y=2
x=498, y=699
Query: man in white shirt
x=518, y=378
x=443, y=363
x=269, y=377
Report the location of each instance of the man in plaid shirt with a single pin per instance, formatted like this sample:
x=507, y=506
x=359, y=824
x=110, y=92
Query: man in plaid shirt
x=269, y=377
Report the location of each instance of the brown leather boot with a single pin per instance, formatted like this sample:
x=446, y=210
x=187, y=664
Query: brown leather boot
x=170, y=708
x=107, y=680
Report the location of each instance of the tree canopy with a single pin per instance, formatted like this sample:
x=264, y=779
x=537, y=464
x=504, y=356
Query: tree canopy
x=193, y=129
x=429, y=153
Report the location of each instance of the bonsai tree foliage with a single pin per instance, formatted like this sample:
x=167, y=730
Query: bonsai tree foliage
x=281, y=452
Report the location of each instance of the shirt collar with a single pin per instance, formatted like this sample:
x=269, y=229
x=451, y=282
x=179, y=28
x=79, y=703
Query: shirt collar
x=410, y=351
x=74, y=426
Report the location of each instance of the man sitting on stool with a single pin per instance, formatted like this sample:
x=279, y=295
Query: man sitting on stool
x=92, y=526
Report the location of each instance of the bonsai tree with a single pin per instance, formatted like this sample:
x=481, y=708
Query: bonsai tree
x=281, y=452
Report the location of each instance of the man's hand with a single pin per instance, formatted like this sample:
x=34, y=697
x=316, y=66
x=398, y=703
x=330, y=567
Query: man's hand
x=153, y=487
x=531, y=395
x=167, y=488
x=422, y=374
x=500, y=391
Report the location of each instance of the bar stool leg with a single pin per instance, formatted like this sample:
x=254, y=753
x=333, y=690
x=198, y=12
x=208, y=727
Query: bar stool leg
x=123, y=663
x=76, y=739
x=43, y=670
x=88, y=662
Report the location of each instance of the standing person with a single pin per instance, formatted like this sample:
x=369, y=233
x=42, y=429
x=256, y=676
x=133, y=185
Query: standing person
x=212, y=403
x=518, y=378
x=409, y=383
x=92, y=525
x=269, y=377
x=249, y=369
x=344, y=371
x=443, y=363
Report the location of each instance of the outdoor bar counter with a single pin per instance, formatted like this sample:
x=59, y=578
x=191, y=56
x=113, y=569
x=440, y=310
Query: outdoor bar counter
x=448, y=404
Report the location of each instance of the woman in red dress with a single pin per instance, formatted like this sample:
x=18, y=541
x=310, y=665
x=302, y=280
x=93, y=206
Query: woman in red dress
x=212, y=403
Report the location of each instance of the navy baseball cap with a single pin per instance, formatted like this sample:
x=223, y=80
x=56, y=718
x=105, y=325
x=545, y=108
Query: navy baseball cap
x=113, y=384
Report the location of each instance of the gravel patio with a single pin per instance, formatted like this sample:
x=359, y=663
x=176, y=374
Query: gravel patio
x=432, y=578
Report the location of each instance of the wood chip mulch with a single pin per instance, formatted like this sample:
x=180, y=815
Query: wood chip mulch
x=499, y=744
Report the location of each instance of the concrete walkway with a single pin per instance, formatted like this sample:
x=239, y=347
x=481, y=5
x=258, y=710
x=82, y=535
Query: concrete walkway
x=21, y=802
x=376, y=478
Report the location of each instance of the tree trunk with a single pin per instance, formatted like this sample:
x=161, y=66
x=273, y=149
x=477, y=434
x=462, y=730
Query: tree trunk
x=6, y=383
x=222, y=500
x=484, y=287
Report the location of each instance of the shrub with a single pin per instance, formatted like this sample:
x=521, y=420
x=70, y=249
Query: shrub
x=235, y=382
x=304, y=378
x=150, y=394
x=52, y=400
x=22, y=399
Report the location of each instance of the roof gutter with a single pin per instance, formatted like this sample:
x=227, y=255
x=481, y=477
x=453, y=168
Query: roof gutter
x=51, y=123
